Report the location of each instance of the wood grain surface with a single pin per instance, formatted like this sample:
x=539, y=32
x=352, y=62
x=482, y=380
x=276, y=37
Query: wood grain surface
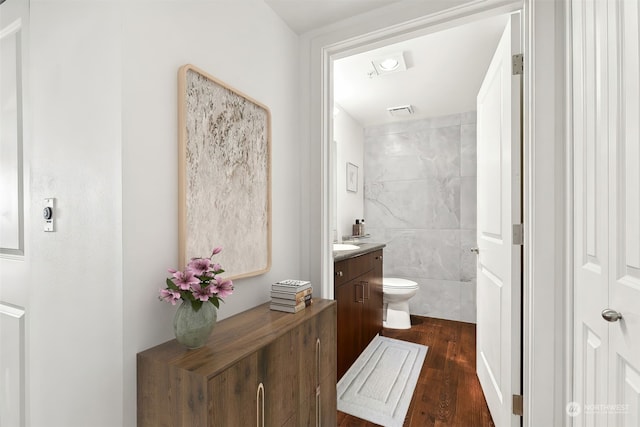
x=448, y=392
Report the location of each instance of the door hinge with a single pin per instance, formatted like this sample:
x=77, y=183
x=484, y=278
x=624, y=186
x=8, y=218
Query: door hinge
x=517, y=405
x=518, y=234
x=517, y=62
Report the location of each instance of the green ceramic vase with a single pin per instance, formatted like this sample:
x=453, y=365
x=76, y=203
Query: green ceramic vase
x=192, y=328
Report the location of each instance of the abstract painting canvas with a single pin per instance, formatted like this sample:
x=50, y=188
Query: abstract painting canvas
x=224, y=175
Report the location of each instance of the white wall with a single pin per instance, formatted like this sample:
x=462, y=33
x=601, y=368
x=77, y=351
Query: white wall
x=75, y=317
x=349, y=137
x=105, y=143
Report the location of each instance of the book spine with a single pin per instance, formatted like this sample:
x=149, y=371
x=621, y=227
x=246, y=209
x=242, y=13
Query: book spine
x=291, y=296
x=291, y=302
x=289, y=308
x=285, y=288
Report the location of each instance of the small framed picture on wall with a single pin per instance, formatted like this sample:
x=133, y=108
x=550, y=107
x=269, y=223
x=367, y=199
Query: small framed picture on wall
x=352, y=177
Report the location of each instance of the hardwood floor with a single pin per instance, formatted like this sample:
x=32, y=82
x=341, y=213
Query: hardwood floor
x=448, y=392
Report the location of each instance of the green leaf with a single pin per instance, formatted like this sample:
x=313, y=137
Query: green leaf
x=196, y=304
x=215, y=302
x=171, y=285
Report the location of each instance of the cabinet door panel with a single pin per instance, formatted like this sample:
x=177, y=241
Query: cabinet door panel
x=233, y=395
x=350, y=321
x=373, y=303
x=307, y=335
x=317, y=344
x=327, y=327
x=328, y=401
x=279, y=368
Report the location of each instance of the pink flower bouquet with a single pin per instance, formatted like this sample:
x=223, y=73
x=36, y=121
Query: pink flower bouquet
x=198, y=283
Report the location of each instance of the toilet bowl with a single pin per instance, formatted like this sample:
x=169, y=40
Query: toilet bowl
x=396, y=293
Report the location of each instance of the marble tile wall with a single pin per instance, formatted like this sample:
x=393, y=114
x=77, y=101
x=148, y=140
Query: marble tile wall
x=420, y=199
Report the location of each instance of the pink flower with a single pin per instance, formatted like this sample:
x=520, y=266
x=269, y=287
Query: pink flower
x=169, y=295
x=223, y=288
x=197, y=283
x=184, y=279
x=203, y=294
x=199, y=265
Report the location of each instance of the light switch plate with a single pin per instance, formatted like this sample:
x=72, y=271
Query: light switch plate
x=49, y=213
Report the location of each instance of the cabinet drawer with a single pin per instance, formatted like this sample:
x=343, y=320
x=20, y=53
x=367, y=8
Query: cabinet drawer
x=360, y=265
x=341, y=272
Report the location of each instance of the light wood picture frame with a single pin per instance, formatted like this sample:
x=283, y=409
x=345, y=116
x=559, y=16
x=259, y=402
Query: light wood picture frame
x=352, y=177
x=224, y=175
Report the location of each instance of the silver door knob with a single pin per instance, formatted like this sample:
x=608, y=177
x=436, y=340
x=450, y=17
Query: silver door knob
x=611, y=315
x=475, y=250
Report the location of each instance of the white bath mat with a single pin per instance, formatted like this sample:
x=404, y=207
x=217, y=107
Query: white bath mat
x=379, y=385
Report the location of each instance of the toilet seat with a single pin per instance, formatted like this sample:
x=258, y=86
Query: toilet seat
x=397, y=283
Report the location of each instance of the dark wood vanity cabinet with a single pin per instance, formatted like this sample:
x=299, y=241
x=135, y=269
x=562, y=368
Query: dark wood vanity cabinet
x=260, y=367
x=358, y=291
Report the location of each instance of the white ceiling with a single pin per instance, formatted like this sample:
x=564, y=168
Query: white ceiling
x=306, y=15
x=444, y=72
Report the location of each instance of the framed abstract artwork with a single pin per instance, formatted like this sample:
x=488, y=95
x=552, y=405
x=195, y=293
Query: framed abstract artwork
x=224, y=175
x=352, y=177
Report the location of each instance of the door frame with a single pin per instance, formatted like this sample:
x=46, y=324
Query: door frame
x=547, y=366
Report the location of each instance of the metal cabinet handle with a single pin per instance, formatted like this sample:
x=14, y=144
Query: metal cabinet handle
x=611, y=315
x=318, y=400
x=365, y=284
x=260, y=403
x=318, y=361
x=339, y=273
x=355, y=287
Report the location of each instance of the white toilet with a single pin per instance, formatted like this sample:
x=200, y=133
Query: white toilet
x=396, y=294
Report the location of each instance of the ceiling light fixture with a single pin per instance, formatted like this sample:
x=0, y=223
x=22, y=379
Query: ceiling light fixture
x=391, y=63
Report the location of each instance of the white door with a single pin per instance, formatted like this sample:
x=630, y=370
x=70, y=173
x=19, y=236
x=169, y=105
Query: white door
x=14, y=16
x=606, y=245
x=499, y=209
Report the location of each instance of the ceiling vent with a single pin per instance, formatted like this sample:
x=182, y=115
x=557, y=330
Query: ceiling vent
x=401, y=111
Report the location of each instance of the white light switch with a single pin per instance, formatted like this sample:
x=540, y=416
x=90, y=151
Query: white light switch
x=48, y=213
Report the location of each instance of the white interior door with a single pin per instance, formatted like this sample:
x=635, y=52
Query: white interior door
x=499, y=209
x=624, y=242
x=590, y=210
x=606, y=131
x=14, y=270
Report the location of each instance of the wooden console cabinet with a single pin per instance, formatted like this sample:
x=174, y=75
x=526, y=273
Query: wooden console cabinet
x=259, y=368
x=358, y=291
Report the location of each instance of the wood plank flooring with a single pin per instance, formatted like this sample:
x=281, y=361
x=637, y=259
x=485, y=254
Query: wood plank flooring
x=448, y=392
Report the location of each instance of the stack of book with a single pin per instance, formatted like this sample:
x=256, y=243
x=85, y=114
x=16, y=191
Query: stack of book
x=291, y=295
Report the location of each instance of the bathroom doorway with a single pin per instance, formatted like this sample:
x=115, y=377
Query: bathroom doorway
x=405, y=113
x=547, y=298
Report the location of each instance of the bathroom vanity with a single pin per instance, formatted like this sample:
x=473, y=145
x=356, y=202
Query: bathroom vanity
x=358, y=292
